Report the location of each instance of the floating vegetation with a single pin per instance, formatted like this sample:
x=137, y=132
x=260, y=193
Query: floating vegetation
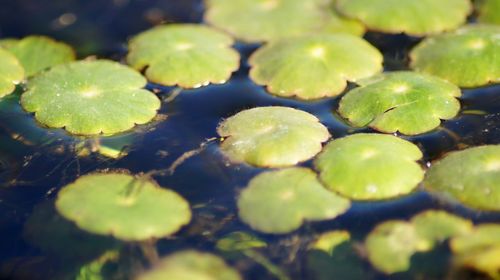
x=416, y=18
x=191, y=265
x=272, y=136
x=266, y=20
x=335, y=23
x=489, y=11
x=280, y=201
x=315, y=66
x=186, y=55
x=466, y=57
x=388, y=165
x=38, y=53
x=470, y=176
x=90, y=97
x=391, y=102
x=128, y=208
x=11, y=72
x=391, y=244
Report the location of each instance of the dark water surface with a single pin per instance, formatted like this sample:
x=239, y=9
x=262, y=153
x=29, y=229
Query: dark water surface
x=35, y=162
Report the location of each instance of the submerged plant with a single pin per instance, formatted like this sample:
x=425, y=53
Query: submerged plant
x=186, y=55
x=191, y=265
x=417, y=18
x=125, y=207
x=280, y=201
x=90, y=97
x=392, y=102
x=11, y=73
x=466, y=57
x=387, y=164
x=471, y=176
x=272, y=136
x=38, y=53
x=313, y=67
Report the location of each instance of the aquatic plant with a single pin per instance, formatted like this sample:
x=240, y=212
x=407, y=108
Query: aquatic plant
x=90, y=97
x=489, y=11
x=466, y=57
x=336, y=23
x=122, y=206
x=313, y=67
x=38, y=53
x=388, y=165
x=280, y=201
x=272, y=136
x=191, y=265
x=470, y=176
x=416, y=18
x=186, y=55
x=391, y=102
x=11, y=72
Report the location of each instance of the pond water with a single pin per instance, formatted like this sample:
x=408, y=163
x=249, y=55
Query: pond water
x=35, y=162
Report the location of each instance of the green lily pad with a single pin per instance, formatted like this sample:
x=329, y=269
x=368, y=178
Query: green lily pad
x=466, y=57
x=327, y=242
x=391, y=244
x=314, y=66
x=280, y=201
x=392, y=102
x=387, y=164
x=90, y=97
x=471, y=176
x=407, y=16
x=272, y=136
x=266, y=20
x=336, y=23
x=479, y=250
x=123, y=206
x=11, y=72
x=489, y=11
x=186, y=55
x=191, y=265
x=37, y=53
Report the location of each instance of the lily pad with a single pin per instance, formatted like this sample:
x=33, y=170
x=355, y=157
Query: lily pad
x=407, y=16
x=37, y=53
x=336, y=23
x=471, y=176
x=11, y=72
x=272, y=136
x=479, y=250
x=123, y=206
x=280, y=201
x=329, y=241
x=186, y=55
x=489, y=11
x=90, y=97
x=313, y=67
x=191, y=265
x=266, y=20
x=387, y=163
x=466, y=57
x=407, y=102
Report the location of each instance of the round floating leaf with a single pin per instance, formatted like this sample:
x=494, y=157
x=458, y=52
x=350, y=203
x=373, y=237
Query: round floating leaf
x=467, y=57
x=315, y=66
x=327, y=242
x=37, y=53
x=123, y=206
x=191, y=265
x=370, y=166
x=391, y=244
x=471, y=176
x=11, y=72
x=335, y=23
x=90, y=97
x=280, y=201
x=272, y=136
x=479, y=250
x=186, y=55
x=489, y=11
x=392, y=102
x=265, y=20
x=407, y=16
